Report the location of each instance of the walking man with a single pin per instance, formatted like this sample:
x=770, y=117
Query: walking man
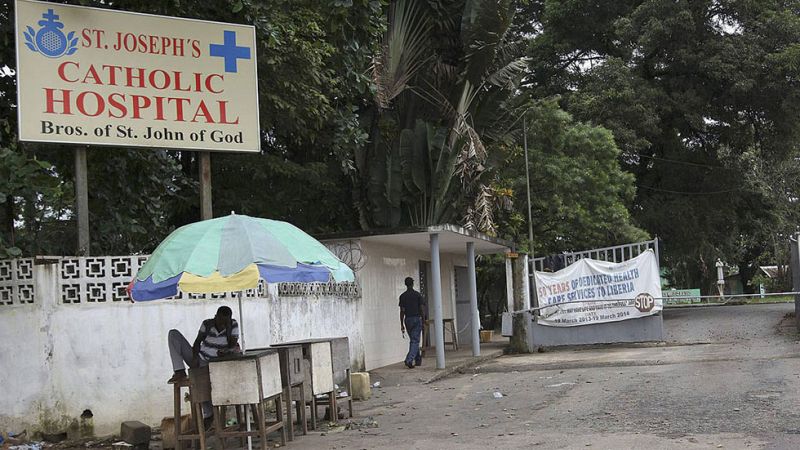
x=412, y=307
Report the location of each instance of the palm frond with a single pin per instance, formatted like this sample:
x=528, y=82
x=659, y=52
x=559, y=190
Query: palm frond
x=488, y=200
x=480, y=217
x=484, y=26
x=468, y=221
x=506, y=76
x=403, y=52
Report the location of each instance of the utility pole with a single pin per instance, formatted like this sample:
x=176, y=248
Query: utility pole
x=528, y=185
x=534, y=295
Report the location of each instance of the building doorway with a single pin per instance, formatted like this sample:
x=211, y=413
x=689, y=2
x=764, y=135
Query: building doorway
x=463, y=308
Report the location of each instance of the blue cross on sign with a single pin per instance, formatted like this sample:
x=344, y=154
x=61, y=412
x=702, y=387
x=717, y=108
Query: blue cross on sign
x=50, y=15
x=230, y=51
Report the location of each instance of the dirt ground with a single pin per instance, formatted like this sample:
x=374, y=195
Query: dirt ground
x=728, y=377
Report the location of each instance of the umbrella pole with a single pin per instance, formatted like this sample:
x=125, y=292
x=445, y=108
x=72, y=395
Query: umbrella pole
x=241, y=322
x=247, y=419
x=244, y=348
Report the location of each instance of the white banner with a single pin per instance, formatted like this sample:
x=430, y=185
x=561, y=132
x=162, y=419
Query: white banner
x=105, y=77
x=591, y=291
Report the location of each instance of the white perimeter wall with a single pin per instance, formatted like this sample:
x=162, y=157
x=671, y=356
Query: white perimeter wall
x=56, y=360
x=382, y=282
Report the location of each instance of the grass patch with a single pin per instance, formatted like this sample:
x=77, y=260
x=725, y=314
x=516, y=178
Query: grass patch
x=773, y=299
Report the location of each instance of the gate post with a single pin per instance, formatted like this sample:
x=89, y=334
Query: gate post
x=794, y=249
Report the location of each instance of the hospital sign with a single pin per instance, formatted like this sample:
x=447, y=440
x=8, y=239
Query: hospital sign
x=104, y=77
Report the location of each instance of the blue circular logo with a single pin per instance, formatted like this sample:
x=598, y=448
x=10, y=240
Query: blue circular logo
x=50, y=41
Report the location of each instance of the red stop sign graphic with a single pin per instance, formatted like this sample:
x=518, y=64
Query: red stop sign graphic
x=644, y=302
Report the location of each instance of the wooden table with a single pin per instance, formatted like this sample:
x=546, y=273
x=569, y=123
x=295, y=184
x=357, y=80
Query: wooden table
x=199, y=387
x=293, y=377
x=252, y=379
x=340, y=363
x=318, y=354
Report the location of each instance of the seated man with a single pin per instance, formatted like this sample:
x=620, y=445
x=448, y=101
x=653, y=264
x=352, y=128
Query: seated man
x=217, y=337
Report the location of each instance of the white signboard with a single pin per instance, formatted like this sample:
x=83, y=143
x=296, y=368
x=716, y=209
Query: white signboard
x=104, y=77
x=590, y=291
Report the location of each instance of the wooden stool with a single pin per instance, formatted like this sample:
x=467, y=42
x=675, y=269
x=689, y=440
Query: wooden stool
x=221, y=422
x=448, y=326
x=199, y=387
x=263, y=426
x=348, y=386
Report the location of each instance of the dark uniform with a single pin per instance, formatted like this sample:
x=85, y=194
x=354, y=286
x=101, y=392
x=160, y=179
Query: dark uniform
x=412, y=304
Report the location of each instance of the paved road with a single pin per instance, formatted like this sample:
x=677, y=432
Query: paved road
x=723, y=324
x=728, y=378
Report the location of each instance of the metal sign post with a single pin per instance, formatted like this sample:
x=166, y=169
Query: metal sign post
x=82, y=200
x=206, y=210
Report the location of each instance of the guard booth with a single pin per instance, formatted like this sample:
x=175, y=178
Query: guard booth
x=604, y=295
x=441, y=261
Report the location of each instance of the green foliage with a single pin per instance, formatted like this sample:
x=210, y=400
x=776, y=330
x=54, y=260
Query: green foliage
x=490, y=276
x=443, y=76
x=681, y=118
x=312, y=195
x=32, y=194
x=30, y=198
x=703, y=99
x=428, y=169
x=579, y=193
x=313, y=58
x=143, y=192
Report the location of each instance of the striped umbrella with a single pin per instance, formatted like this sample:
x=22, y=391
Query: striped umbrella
x=232, y=253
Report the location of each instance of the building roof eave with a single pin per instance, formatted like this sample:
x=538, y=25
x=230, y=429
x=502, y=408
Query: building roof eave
x=453, y=238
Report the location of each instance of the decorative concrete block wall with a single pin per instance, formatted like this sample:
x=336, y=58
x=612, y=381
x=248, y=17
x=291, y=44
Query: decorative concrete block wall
x=71, y=340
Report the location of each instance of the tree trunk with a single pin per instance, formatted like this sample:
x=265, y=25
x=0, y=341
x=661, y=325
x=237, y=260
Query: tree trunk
x=519, y=337
x=359, y=184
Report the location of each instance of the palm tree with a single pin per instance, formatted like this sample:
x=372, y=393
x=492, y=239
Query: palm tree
x=443, y=79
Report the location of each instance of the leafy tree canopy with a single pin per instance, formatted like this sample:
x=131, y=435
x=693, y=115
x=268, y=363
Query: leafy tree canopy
x=678, y=119
x=579, y=194
x=313, y=58
x=702, y=97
